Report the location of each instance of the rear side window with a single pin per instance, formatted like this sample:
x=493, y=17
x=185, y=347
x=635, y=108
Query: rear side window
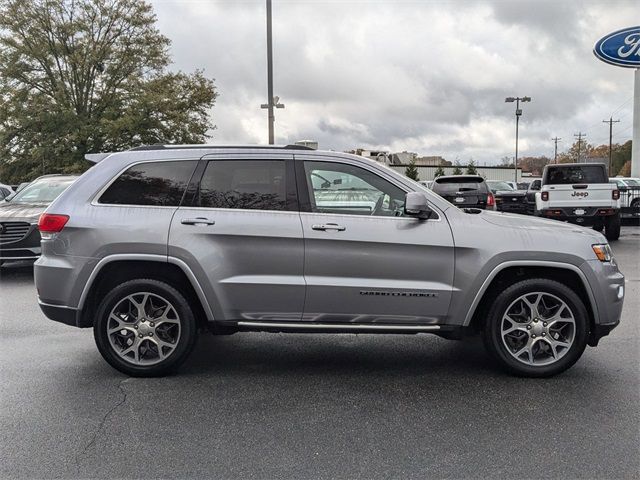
x=244, y=184
x=575, y=174
x=155, y=183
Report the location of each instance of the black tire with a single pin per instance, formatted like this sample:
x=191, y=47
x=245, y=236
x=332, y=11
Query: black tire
x=598, y=226
x=492, y=329
x=187, y=322
x=612, y=227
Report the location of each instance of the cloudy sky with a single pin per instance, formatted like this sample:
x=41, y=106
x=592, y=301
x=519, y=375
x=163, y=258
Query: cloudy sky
x=425, y=76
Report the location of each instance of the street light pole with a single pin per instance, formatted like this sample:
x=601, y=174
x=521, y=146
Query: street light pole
x=518, y=113
x=272, y=102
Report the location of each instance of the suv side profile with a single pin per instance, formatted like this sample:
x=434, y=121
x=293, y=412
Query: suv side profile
x=153, y=245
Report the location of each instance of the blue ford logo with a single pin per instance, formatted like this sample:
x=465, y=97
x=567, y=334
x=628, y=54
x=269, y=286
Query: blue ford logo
x=620, y=48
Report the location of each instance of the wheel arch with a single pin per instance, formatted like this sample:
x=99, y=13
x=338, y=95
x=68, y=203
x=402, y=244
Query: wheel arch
x=511, y=272
x=115, y=269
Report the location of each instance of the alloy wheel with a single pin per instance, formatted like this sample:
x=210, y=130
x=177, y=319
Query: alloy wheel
x=143, y=328
x=538, y=328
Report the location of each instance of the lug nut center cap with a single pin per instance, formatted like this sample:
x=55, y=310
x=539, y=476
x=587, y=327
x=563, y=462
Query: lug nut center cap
x=144, y=328
x=537, y=329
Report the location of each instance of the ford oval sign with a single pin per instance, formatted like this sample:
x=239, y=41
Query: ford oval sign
x=620, y=48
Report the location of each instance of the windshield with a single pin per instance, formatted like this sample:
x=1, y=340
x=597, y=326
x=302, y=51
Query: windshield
x=561, y=175
x=45, y=190
x=499, y=186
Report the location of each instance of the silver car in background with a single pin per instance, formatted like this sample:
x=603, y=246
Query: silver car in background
x=154, y=244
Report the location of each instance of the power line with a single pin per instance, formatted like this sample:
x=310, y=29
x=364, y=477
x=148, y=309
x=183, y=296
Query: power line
x=555, y=151
x=611, y=121
x=579, y=136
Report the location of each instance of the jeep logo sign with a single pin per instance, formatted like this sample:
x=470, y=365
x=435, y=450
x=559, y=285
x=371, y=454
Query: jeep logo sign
x=621, y=48
x=580, y=194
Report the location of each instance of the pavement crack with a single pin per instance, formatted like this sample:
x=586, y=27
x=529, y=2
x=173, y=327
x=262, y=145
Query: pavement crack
x=97, y=431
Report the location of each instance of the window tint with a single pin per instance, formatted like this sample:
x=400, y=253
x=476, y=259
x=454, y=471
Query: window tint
x=453, y=185
x=347, y=189
x=155, y=183
x=576, y=174
x=244, y=184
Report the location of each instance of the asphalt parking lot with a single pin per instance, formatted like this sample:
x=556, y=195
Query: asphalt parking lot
x=313, y=406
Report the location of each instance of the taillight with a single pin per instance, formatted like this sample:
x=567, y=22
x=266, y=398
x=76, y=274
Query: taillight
x=52, y=223
x=490, y=200
x=615, y=194
x=544, y=196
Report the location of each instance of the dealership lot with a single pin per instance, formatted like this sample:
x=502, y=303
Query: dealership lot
x=314, y=406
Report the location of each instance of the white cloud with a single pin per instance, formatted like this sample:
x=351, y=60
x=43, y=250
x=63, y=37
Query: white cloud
x=425, y=76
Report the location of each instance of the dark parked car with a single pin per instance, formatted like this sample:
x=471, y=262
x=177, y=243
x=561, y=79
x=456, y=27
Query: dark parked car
x=507, y=198
x=530, y=197
x=464, y=191
x=19, y=236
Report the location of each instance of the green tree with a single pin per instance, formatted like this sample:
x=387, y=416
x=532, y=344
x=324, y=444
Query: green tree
x=471, y=168
x=620, y=155
x=81, y=76
x=457, y=170
x=578, y=152
x=439, y=172
x=412, y=171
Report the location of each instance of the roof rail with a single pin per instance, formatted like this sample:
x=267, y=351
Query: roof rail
x=203, y=147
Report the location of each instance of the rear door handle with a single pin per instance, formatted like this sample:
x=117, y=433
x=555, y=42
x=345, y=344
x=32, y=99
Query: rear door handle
x=329, y=226
x=197, y=221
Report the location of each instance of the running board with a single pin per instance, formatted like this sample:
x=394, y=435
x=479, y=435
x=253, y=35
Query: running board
x=335, y=327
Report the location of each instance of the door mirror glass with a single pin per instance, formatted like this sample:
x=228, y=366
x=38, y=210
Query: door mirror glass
x=415, y=205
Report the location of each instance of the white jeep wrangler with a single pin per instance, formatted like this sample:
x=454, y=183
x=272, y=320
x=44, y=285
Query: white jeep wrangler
x=580, y=193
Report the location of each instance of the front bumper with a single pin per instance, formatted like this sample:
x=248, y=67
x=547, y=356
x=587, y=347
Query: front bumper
x=26, y=248
x=608, y=288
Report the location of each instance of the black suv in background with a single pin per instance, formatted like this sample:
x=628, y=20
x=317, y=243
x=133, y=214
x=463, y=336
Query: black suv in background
x=464, y=191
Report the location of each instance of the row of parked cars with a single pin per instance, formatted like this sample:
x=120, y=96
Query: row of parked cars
x=577, y=193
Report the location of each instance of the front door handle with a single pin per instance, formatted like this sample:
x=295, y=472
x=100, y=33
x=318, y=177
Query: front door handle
x=197, y=221
x=329, y=226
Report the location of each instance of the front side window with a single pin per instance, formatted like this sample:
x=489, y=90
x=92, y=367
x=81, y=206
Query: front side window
x=347, y=189
x=154, y=183
x=244, y=184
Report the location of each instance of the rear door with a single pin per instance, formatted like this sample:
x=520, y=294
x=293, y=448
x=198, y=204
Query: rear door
x=240, y=232
x=364, y=261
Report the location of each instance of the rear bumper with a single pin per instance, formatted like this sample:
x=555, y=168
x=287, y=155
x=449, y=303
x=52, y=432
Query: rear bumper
x=591, y=215
x=59, y=313
x=512, y=208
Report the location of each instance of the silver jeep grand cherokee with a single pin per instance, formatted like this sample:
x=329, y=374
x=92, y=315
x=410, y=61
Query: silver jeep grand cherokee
x=154, y=244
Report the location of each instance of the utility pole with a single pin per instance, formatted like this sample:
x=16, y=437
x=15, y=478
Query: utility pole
x=273, y=102
x=611, y=121
x=555, y=151
x=579, y=136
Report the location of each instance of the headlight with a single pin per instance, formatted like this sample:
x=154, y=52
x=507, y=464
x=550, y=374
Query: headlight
x=603, y=252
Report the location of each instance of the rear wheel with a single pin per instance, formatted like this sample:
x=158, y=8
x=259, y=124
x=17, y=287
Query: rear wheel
x=598, y=226
x=536, y=328
x=612, y=227
x=145, y=328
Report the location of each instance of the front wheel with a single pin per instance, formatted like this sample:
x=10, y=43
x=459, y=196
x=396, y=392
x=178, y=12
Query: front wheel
x=145, y=328
x=536, y=328
x=612, y=227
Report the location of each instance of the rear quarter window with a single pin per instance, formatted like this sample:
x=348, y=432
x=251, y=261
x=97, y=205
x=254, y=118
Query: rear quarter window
x=152, y=183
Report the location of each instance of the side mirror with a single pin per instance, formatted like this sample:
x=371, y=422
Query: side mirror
x=415, y=205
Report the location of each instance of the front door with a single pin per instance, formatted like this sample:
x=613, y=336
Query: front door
x=241, y=235
x=364, y=261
